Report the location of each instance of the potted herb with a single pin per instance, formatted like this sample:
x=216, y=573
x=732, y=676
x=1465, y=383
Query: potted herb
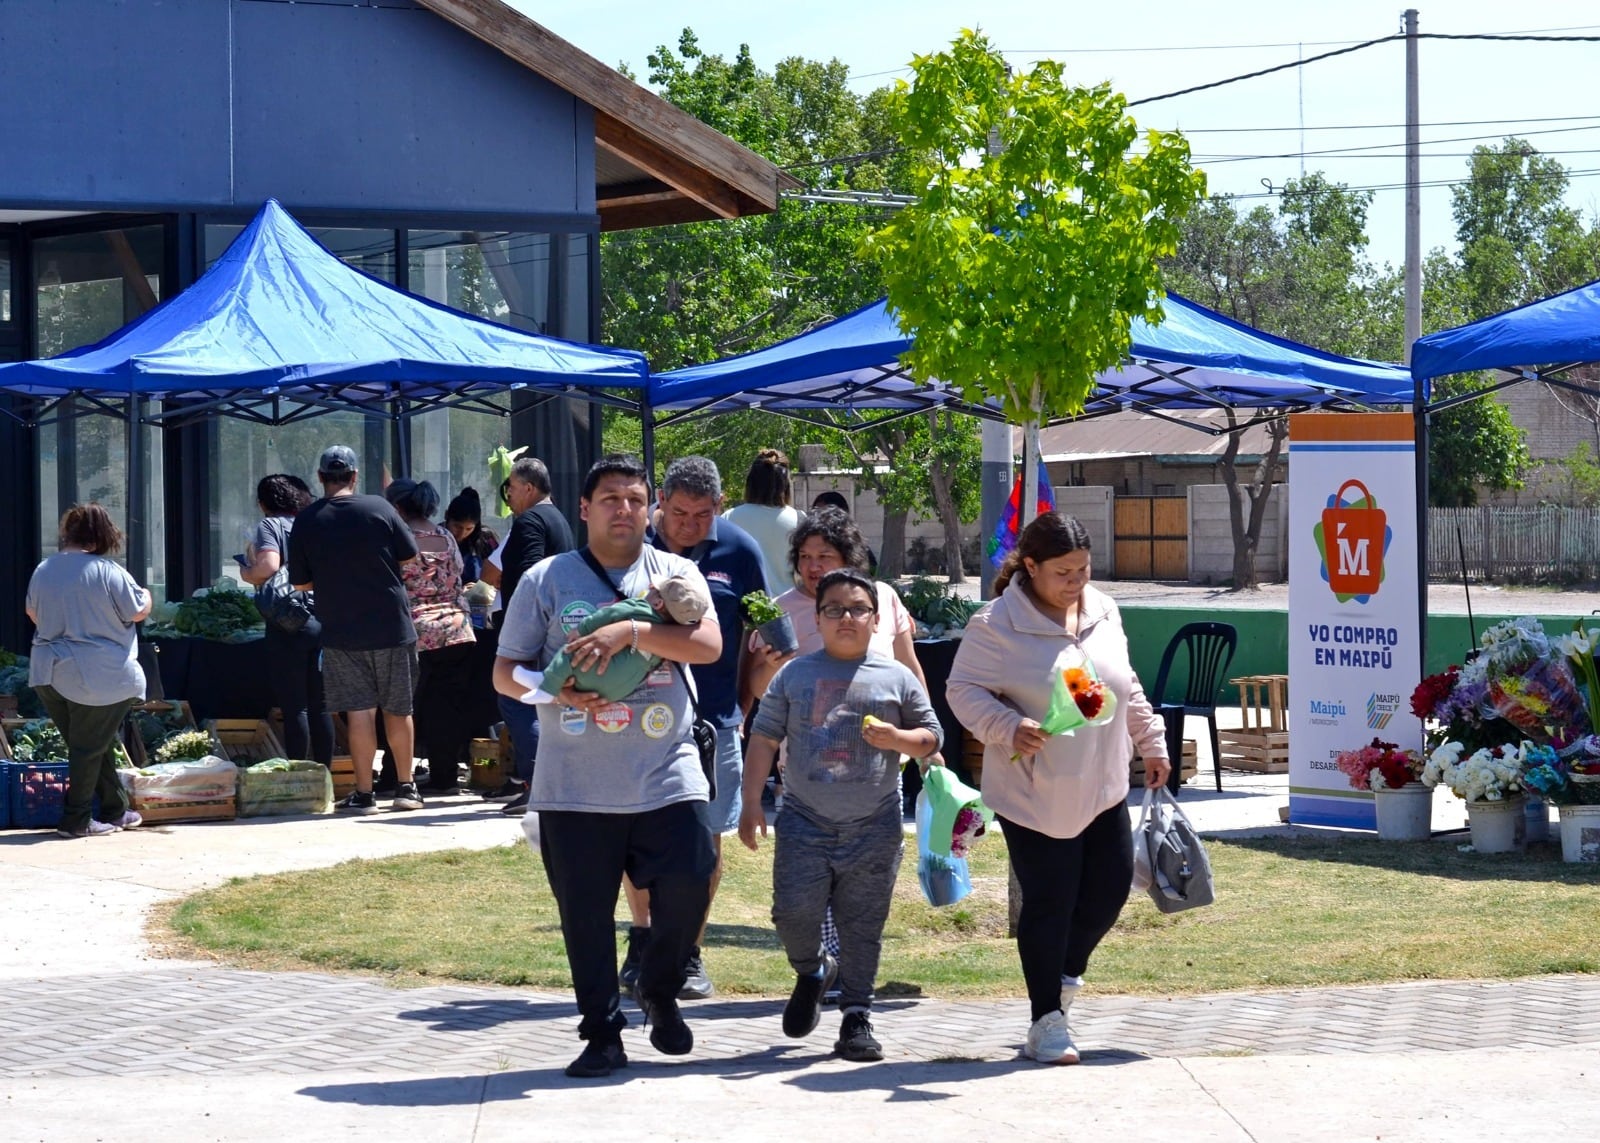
x=771, y=622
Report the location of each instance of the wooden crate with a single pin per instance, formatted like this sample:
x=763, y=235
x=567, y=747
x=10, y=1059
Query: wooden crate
x=220, y=810
x=972, y=759
x=133, y=742
x=1191, y=764
x=1261, y=752
x=246, y=740
x=8, y=706
x=489, y=762
x=344, y=776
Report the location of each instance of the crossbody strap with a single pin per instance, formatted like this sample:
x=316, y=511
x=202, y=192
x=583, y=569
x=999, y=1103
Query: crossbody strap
x=596, y=567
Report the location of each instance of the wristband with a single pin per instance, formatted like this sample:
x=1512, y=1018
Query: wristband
x=633, y=626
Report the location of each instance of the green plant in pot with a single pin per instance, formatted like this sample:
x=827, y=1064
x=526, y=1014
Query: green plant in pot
x=771, y=622
x=936, y=607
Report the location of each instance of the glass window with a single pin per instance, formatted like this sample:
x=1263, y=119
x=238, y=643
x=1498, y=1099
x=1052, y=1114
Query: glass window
x=5, y=284
x=369, y=250
x=496, y=275
x=89, y=285
x=84, y=459
x=243, y=452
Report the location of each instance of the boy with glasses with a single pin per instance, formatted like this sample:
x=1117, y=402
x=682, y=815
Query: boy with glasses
x=846, y=718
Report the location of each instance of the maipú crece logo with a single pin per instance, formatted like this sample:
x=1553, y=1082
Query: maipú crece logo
x=1381, y=708
x=1353, y=538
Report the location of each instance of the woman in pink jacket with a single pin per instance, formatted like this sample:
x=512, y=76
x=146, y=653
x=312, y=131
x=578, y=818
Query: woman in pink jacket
x=1061, y=802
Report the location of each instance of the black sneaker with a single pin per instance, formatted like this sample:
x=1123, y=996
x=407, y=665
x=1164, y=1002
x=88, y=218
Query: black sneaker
x=696, y=984
x=359, y=802
x=856, y=1041
x=669, y=1035
x=804, y=1009
x=406, y=797
x=598, y=1060
x=517, y=806
x=628, y=977
x=509, y=790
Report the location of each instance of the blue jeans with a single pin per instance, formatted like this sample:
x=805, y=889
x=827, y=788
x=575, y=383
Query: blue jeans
x=522, y=719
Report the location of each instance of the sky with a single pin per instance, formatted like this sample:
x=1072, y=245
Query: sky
x=1250, y=136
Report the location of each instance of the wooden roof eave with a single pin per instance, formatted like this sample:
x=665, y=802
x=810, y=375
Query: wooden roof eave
x=710, y=175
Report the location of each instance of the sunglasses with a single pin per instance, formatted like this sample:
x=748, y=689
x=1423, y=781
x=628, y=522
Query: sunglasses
x=839, y=611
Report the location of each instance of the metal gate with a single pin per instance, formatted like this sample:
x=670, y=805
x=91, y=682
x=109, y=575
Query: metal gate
x=1152, y=537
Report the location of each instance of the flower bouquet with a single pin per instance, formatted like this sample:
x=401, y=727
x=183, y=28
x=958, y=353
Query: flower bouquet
x=1488, y=774
x=1077, y=699
x=1380, y=766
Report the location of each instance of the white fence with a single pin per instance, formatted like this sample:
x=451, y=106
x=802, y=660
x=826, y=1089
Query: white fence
x=1532, y=544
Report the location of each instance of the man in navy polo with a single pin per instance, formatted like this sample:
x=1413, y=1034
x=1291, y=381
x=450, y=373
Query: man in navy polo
x=689, y=524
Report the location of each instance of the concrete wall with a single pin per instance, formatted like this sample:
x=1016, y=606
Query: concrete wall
x=866, y=510
x=1211, y=536
x=1093, y=506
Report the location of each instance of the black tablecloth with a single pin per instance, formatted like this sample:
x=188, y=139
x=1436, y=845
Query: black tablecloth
x=229, y=680
x=937, y=656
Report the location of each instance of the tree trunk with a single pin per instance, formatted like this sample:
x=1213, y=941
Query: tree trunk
x=892, y=556
x=1247, y=533
x=941, y=478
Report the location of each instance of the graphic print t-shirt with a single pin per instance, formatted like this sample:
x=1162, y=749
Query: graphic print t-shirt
x=815, y=706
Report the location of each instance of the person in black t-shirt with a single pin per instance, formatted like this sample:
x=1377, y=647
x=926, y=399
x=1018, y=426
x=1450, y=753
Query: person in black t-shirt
x=350, y=548
x=538, y=532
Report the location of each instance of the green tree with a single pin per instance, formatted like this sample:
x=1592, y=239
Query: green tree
x=1021, y=266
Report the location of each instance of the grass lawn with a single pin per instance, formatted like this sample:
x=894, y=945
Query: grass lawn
x=1290, y=912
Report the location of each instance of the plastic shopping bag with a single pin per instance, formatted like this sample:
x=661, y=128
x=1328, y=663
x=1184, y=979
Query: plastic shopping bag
x=945, y=879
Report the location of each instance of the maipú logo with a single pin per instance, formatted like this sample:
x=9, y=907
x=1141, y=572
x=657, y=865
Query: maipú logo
x=1353, y=539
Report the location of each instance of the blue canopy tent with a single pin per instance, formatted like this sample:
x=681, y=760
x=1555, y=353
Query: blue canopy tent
x=279, y=329
x=1540, y=341
x=1196, y=359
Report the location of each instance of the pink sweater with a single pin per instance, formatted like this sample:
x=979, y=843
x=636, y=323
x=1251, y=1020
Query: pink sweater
x=1004, y=672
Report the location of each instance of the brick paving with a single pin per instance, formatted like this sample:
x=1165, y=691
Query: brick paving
x=212, y=1021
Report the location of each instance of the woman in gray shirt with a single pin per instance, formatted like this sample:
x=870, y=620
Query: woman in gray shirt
x=83, y=665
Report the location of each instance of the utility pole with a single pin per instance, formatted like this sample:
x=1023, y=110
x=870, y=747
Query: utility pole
x=1419, y=403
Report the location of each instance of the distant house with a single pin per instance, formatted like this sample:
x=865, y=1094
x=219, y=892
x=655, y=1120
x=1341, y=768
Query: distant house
x=1136, y=454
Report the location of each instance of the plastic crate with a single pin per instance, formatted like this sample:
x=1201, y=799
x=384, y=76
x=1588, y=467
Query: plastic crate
x=41, y=806
x=5, y=799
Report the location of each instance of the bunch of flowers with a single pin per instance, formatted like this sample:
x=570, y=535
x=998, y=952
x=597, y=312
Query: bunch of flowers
x=968, y=828
x=1380, y=766
x=1088, y=692
x=1488, y=774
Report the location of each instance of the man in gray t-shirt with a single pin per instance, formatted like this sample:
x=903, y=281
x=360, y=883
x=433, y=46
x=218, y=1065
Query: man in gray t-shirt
x=618, y=787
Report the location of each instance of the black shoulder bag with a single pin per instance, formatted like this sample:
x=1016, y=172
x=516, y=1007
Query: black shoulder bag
x=703, y=729
x=281, y=605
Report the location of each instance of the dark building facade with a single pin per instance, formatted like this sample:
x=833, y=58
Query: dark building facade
x=451, y=147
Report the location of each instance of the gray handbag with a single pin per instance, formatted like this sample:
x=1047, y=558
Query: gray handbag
x=1168, y=860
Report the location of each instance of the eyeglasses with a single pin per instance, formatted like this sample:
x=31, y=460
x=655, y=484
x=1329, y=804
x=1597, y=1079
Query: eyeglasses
x=839, y=611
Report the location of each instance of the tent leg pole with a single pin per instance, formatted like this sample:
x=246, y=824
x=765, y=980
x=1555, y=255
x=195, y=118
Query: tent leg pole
x=134, y=517
x=647, y=429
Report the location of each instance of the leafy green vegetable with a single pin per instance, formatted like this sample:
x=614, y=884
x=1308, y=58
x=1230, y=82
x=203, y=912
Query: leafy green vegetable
x=224, y=613
x=38, y=740
x=155, y=727
x=935, y=606
x=760, y=608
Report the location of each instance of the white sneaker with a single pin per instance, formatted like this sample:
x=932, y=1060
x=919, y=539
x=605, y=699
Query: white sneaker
x=129, y=820
x=1050, y=1042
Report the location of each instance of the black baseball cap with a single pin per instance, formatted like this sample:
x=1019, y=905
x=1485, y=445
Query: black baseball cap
x=339, y=460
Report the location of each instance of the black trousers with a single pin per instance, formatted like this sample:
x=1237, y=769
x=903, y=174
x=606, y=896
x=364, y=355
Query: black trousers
x=667, y=853
x=294, y=678
x=1073, y=889
x=444, y=692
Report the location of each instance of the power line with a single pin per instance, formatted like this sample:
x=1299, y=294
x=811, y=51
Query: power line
x=1266, y=71
x=1349, y=151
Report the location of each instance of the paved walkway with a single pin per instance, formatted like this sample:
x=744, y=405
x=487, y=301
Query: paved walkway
x=99, y=1037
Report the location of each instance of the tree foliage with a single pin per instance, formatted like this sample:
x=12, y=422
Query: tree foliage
x=1021, y=266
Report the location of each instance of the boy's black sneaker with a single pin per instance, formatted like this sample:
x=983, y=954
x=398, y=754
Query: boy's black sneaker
x=669, y=1035
x=517, y=806
x=856, y=1041
x=406, y=797
x=804, y=1009
x=598, y=1059
x=696, y=984
x=508, y=790
x=359, y=802
x=628, y=976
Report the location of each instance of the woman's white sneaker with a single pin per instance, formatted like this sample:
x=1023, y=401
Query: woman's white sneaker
x=1050, y=1042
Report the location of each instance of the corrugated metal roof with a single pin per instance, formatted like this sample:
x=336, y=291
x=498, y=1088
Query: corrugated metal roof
x=1127, y=435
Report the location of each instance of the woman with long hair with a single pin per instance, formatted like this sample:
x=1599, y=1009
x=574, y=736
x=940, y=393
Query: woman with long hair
x=84, y=664
x=464, y=517
x=1061, y=800
x=294, y=658
x=768, y=514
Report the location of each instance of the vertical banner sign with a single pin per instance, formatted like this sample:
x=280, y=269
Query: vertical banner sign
x=1354, y=639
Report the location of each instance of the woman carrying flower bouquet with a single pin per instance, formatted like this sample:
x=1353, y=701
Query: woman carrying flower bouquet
x=1059, y=799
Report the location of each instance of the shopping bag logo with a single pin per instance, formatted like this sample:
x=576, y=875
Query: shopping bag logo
x=1353, y=538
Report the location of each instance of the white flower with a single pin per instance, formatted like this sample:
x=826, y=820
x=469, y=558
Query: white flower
x=1581, y=642
x=1573, y=646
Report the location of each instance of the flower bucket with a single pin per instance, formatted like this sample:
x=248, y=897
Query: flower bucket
x=1580, y=833
x=1538, y=814
x=1585, y=788
x=779, y=634
x=1404, y=813
x=1498, y=827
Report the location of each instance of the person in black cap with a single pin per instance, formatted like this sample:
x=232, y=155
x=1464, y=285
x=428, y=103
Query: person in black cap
x=350, y=548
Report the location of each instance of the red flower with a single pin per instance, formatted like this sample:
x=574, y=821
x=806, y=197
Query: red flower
x=1432, y=691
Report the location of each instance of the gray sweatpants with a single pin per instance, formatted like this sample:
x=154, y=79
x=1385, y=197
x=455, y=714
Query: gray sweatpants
x=855, y=869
